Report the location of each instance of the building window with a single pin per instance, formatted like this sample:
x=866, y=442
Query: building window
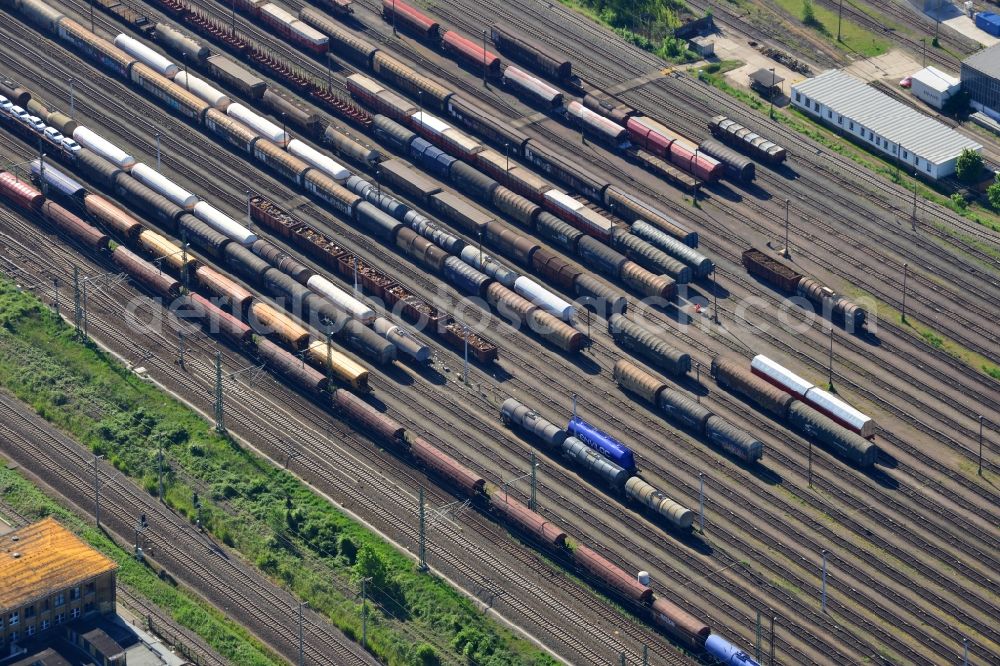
x=840, y=119
x=90, y=588
x=74, y=594
x=13, y=636
x=928, y=167
x=46, y=624
x=894, y=149
x=89, y=607
x=60, y=618
x=75, y=613
x=829, y=113
x=14, y=618
x=29, y=611
x=851, y=125
x=816, y=106
x=906, y=155
x=60, y=599
x=30, y=630
x=798, y=96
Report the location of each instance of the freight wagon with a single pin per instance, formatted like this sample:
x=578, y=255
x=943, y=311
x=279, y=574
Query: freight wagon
x=688, y=413
x=531, y=53
x=741, y=138
x=775, y=389
x=830, y=304
x=475, y=56
x=406, y=16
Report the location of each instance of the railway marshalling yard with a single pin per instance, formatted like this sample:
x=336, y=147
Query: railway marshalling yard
x=912, y=544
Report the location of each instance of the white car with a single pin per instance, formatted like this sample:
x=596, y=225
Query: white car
x=53, y=135
x=70, y=146
x=35, y=123
x=5, y=104
x=19, y=114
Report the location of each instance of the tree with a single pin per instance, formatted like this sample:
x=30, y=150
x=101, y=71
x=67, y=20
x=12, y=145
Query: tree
x=993, y=193
x=809, y=13
x=969, y=166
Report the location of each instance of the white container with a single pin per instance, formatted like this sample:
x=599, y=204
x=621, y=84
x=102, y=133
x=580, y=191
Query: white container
x=563, y=201
x=429, y=122
x=136, y=49
x=160, y=184
x=266, y=128
x=780, y=376
x=643, y=578
x=276, y=13
x=840, y=411
x=308, y=33
x=98, y=144
x=203, y=89
x=543, y=298
x=224, y=224
x=341, y=299
x=324, y=163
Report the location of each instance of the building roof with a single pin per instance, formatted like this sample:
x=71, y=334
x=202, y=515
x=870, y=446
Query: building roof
x=986, y=61
x=767, y=77
x=893, y=120
x=936, y=80
x=44, y=557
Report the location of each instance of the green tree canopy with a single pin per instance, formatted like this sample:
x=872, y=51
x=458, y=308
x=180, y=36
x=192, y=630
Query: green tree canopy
x=969, y=166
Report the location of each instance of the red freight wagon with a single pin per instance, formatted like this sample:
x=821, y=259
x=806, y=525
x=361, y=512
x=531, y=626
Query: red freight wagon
x=409, y=17
x=473, y=54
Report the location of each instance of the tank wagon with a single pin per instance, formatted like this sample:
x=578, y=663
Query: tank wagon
x=747, y=141
x=602, y=442
x=790, y=281
x=686, y=412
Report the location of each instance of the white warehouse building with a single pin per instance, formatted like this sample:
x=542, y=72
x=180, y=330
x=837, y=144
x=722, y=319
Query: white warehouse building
x=893, y=128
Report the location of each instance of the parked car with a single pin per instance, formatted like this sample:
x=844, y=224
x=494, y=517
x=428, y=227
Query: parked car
x=53, y=135
x=70, y=146
x=36, y=123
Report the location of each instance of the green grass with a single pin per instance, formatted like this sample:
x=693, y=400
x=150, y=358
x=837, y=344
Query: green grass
x=265, y=513
x=663, y=44
x=930, y=336
x=226, y=637
x=854, y=38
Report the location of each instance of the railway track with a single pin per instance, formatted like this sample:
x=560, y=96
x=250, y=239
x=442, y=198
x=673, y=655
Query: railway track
x=722, y=232
x=138, y=141
x=975, y=330
x=68, y=468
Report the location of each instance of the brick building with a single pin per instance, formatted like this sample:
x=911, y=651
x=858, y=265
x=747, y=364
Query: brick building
x=49, y=578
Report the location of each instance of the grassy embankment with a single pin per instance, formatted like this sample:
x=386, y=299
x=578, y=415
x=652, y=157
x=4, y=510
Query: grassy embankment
x=265, y=513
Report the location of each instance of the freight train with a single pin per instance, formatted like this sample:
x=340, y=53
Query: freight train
x=260, y=317
x=597, y=454
x=784, y=407
x=264, y=141
x=790, y=281
x=688, y=413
